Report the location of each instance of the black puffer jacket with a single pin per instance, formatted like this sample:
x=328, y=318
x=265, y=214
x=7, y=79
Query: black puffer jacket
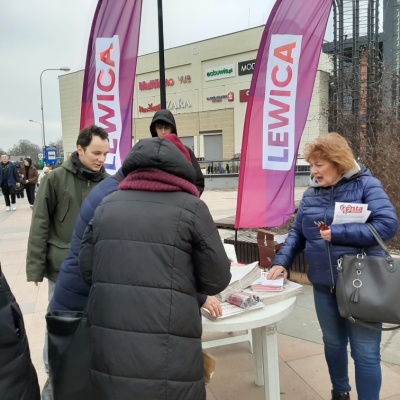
x=18, y=379
x=146, y=254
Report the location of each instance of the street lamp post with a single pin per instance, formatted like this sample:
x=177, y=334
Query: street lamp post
x=41, y=98
x=41, y=129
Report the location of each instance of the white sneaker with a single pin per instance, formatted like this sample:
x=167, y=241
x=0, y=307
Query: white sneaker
x=8, y=208
x=14, y=207
x=31, y=206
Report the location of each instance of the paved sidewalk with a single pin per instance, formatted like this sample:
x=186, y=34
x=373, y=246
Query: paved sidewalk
x=303, y=371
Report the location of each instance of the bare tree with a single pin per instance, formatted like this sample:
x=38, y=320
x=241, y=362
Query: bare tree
x=363, y=111
x=59, y=146
x=25, y=148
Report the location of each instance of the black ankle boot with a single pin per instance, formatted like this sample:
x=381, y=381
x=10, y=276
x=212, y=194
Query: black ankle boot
x=340, y=396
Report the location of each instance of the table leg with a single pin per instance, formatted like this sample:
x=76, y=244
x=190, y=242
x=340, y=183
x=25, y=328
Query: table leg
x=258, y=356
x=270, y=362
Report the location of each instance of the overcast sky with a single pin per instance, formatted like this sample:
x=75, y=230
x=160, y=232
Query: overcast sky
x=44, y=34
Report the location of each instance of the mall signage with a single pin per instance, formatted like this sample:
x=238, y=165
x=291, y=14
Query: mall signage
x=221, y=72
x=218, y=99
x=246, y=67
x=244, y=95
x=171, y=105
x=185, y=79
x=155, y=84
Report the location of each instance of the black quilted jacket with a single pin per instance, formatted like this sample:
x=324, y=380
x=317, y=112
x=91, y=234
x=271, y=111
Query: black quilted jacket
x=146, y=255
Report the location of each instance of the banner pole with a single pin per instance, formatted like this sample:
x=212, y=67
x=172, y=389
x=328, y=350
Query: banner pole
x=163, y=100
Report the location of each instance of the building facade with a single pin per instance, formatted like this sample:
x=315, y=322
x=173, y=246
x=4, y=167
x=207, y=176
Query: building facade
x=207, y=87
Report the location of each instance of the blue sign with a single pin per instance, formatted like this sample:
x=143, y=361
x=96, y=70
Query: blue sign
x=50, y=155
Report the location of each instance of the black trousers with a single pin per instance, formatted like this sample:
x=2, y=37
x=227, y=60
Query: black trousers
x=7, y=192
x=30, y=193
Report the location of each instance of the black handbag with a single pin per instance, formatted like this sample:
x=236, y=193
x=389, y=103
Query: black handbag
x=367, y=288
x=70, y=354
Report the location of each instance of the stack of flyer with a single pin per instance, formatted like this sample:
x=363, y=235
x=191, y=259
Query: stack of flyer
x=263, y=284
x=242, y=277
x=290, y=289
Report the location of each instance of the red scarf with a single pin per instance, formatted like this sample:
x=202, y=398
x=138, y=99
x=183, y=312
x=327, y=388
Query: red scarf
x=156, y=180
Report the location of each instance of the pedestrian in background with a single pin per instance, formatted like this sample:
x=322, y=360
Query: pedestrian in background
x=9, y=180
x=163, y=123
x=42, y=174
x=19, y=191
x=29, y=175
x=337, y=177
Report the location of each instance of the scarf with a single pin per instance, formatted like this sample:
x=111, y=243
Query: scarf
x=156, y=180
x=90, y=175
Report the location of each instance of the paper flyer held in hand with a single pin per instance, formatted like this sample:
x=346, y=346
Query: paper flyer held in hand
x=346, y=213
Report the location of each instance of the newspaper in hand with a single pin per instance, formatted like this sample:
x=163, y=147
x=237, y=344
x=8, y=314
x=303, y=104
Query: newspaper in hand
x=350, y=212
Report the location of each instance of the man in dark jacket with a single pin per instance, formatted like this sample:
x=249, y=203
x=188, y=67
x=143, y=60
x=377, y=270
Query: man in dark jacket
x=149, y=248
x=57, y=206
x=9, y=179
x=162, y=124
x=58, y=203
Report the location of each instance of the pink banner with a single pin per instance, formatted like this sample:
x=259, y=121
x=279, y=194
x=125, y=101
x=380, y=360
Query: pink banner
x=110, y=72
x=277, y=110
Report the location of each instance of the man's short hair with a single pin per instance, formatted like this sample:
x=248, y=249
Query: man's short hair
x=86, y=135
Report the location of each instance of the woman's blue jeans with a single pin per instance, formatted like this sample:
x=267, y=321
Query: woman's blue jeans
x=364, y=346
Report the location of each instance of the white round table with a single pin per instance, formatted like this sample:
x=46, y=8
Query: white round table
x=262, y=324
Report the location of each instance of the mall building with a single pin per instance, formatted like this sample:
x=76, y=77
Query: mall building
x=207, y=86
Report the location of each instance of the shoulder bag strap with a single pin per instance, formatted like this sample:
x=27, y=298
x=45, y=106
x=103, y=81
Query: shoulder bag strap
x=378, y=238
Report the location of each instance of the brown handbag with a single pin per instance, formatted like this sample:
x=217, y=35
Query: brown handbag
x=210, y=363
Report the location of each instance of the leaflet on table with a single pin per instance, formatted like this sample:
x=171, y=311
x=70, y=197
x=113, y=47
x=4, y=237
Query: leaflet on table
x=346, y=213
x=290, y=289
x=230, y=310
x=267, y=285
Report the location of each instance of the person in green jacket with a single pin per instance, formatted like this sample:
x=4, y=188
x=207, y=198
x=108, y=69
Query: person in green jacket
x=57, y=206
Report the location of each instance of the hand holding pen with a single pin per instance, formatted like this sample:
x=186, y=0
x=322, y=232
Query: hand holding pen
x=324, y=230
